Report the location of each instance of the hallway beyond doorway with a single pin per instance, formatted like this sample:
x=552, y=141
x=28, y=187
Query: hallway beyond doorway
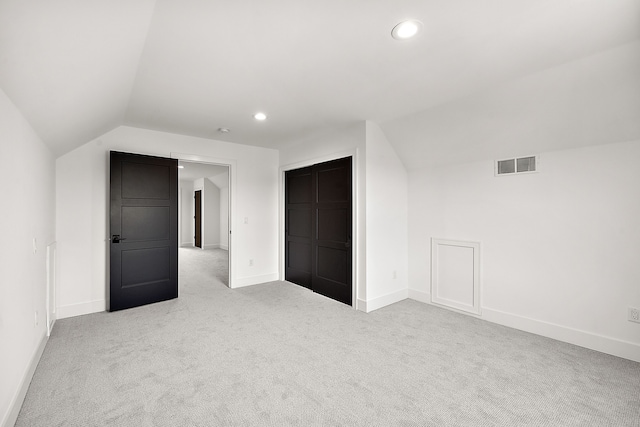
x=210, y=266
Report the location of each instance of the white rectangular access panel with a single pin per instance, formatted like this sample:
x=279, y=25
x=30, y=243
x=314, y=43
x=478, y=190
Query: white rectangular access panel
x=455, y=274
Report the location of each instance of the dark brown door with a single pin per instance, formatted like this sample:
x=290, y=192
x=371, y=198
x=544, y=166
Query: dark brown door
x=298, y=229
x=144, y=230
x=197, y=217
x=319, y=228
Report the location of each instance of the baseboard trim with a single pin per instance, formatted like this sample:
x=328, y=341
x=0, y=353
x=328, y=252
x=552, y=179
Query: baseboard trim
x=73, y=310
x=603, y=344
x=11, y=416
x=186, y=245
x=420, y=296
x=383, y=301
x=241, y=282
x=212, y=246
x=225, y=247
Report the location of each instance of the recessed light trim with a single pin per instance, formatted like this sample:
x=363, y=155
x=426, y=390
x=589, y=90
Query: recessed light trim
x=224, y=130
x=406, y=30
x=260, y=116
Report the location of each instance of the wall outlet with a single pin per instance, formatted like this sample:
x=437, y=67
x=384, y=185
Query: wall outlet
x=395, y=274
x=250, y=263
x=36, y=319
x=634, y=314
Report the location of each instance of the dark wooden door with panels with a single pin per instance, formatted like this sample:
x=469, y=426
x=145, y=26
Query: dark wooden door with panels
x=144, y=230
x=318, y=228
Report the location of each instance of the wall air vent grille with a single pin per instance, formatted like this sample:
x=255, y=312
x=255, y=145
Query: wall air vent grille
x=517, y=165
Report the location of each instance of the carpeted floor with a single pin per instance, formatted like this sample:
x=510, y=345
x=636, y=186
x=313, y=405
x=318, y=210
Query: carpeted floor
x=279, y=355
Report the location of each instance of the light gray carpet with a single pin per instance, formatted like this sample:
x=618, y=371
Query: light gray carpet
x=279, y=355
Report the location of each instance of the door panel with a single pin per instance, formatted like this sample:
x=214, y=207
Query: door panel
x=332, y=231
x=145, y=181
x=299, y=263
x=145, y=223
x=145, y=266
x=333, y=224
x=318, y=228
x=299, y=222
x=332, y=264
x=298, y=226
x=299, y=186
x=144, y=230
x=332, y=183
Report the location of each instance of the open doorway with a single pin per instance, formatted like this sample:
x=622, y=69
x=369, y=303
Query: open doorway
x=203, y=218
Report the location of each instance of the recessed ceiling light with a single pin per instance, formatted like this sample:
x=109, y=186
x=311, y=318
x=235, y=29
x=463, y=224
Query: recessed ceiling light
x=260, y=116
x=224, y=130
x=406, y=29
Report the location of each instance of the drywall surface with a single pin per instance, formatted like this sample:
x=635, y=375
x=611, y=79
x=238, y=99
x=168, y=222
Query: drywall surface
x=211, y=215
x=559, y=248
x=185, y=213
x=221, y=181
x=27, y=228
x=387, y=216
x=82, y=206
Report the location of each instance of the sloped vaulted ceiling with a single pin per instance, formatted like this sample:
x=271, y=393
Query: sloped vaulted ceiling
x=70, y=65
x=78, y=68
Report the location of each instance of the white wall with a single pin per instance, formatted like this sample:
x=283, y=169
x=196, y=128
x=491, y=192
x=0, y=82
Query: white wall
x=210, y=215
x=82, y=197
x=222, y=182
x=559, y=248
x=556, y=246
x=186, y=213
x=28, y=193
x=387, y=215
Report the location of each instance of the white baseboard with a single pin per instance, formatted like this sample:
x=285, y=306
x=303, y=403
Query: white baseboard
x=254, y=280
x=62, y=312
x=613, y=346
x=186, y=245
x=603, y=344
x=420, y=296
x=11, y=416
x=376, y=303
x=225, y=247
x=211, y=246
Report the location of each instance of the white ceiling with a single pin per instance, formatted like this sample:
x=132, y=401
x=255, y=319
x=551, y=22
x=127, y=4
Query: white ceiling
x=79, y=68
